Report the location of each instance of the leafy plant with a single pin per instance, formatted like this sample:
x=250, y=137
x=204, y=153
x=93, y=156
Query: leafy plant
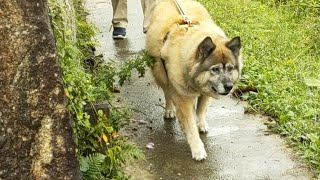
x=100, y=147
x=139, y=63
x=90, y=165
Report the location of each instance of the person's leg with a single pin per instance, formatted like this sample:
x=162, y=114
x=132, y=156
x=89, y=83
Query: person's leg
x=147, y=7
x=120, y=13
x=144, y=13
x=120, y=19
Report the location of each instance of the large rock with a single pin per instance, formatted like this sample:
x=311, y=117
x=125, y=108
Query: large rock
x=35, y=133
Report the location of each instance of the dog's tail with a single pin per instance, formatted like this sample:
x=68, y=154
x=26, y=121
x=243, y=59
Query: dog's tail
x=160, y=73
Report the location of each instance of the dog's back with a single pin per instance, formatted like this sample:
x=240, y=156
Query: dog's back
x=166, y=16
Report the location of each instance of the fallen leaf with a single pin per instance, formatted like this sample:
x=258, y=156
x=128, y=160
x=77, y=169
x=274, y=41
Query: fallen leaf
x=142, y=122
x=105, y=138
x=139, y=121
x=150, y=145
x=115, y=135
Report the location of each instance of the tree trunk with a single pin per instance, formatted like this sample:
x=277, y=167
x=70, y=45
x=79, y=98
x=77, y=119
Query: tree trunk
x=35, y=133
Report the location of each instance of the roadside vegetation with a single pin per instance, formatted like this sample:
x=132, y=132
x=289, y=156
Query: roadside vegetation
x=281, y=46
x=281, y=77
x=101, y=149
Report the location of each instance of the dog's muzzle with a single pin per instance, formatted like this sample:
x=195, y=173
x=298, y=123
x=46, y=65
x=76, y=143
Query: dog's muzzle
x=227, y=88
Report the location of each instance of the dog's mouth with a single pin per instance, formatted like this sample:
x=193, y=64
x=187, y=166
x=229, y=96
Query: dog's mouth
x=214, y=89
x=224, y=93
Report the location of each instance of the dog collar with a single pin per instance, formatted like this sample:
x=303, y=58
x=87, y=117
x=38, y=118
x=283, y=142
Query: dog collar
x=187, y=25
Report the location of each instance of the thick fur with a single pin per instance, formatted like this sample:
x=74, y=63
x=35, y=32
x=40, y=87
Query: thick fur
x=192, y=64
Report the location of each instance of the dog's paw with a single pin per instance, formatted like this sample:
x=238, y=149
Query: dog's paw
x=170, y=114
x=199, y=153
x=203, y=127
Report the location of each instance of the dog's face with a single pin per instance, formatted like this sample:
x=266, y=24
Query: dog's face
x=218, y=66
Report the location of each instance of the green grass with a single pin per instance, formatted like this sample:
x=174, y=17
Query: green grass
x=281, y=48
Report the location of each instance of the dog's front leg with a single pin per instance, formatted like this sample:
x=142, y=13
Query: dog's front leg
x=202, y=105
x=186, y=115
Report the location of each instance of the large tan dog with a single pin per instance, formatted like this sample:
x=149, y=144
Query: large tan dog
x=193, y=63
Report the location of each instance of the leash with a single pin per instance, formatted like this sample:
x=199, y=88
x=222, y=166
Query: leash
x=184, y=16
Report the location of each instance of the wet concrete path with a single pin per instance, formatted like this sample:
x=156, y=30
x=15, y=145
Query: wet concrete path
x=238, y=145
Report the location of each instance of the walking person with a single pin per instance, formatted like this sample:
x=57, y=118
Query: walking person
x=120, y=16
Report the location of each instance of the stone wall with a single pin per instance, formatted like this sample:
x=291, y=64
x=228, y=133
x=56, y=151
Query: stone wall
x=35, y=133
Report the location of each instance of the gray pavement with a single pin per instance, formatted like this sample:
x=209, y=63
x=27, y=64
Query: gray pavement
x=238, y=145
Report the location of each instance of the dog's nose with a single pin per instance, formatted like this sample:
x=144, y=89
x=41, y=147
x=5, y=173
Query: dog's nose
x=228, y=87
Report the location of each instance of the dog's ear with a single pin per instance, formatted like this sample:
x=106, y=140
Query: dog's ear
x=234, y=45
x=205, y=48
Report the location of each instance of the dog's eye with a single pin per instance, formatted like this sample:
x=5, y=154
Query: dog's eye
x=215, y=69
x=230, y=68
